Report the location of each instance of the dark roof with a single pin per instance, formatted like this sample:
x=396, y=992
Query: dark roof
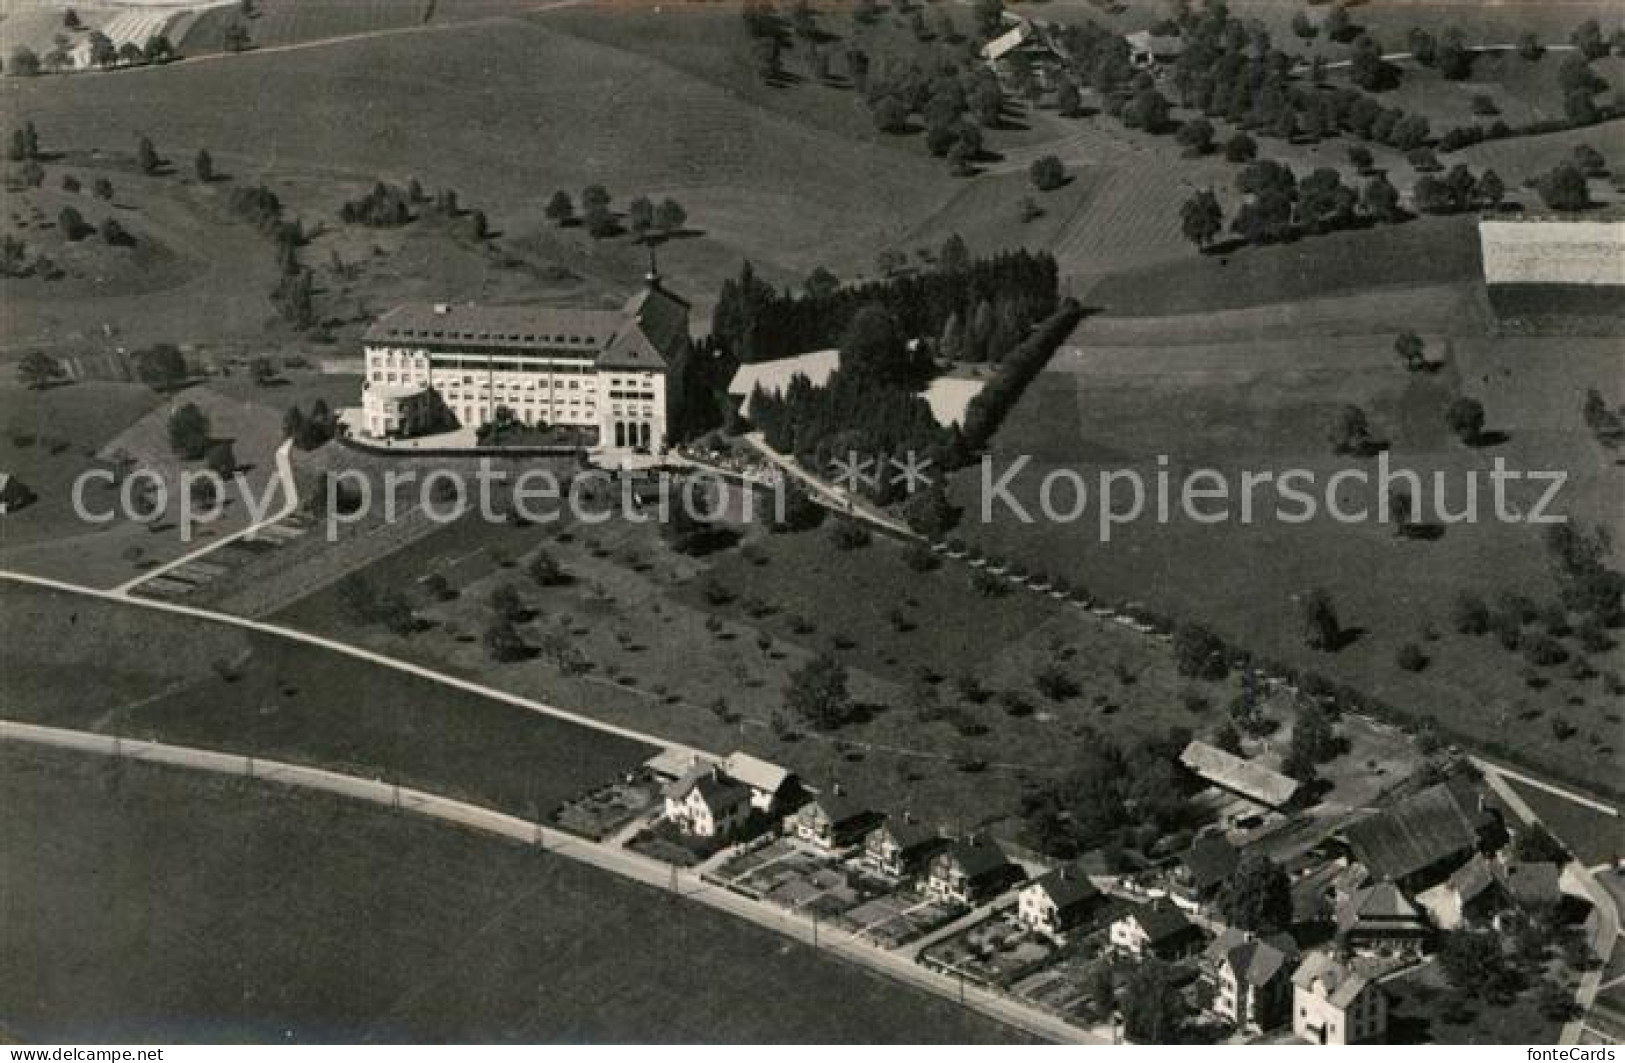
x=978, y=860
x=649, y=330
x=1534, y=884
x=1255, y=961
x=838, y=808
x=908, y=834
x=1420, y=831
x=1210, y=860
x=1380, y=907
x=1067, y=890
x=1473, y=878
x=718, y=791
x=1160, y=920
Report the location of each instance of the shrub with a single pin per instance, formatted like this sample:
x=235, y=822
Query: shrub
x=1411, y=658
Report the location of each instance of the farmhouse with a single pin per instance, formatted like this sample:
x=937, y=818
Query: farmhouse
x=1239, y=775
x=708, y=804
x=1425, y=837
x=970, y=872
x=605, y=370
x=1472, y=896
x=1203, y=868
x=1056, y=903
x=772, y=788
x=901, y=847
x=833, y=821
x=1158, y=929
x=1381, y=918
x=1252, y=979
x=1334, y=1004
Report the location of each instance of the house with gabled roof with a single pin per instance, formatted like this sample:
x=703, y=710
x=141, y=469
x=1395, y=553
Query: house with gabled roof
x=772, y=788
x=970, y=872
x=833, y=821
x=1252, y=978
x=1057, y=902
x=1381, y=918
x=902, y=846
x=1472, y=896
x=707, y=804
x=1158, y=929
x=1333, y=1003
x=1202, y=870
x=1422, y=839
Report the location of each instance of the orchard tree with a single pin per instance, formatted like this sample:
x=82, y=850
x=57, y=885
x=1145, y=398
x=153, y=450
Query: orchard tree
x=221, y=459
x=1350, y=431
x=189, y=430
x=1047, y=173
x=147, y=156
x=1321, y=627
x=1409, y=347
x=1202, y=219
x=559, y=209
x=1257, y=897
x=817, y=693
x=1465, y=417
x=203, y=165
x=39, y=370
x=670, y=217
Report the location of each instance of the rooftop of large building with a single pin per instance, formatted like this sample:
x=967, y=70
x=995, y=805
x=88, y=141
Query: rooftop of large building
x=647, y=331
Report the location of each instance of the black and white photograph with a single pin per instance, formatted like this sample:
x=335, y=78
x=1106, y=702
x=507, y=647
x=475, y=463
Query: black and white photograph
x=595, y=523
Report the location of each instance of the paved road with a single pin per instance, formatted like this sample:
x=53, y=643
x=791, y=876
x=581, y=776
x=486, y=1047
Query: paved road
x=1577, y=880
x=289, y=491
x=606, y=857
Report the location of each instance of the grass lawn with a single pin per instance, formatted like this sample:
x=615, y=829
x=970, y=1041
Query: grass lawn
x=1591, y=836
x=291, y=917
x=1260, y=399
x=1426, y=251
x=190, y=682
x=662, y=654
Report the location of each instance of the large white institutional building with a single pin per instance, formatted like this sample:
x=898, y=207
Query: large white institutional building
x=603, y=369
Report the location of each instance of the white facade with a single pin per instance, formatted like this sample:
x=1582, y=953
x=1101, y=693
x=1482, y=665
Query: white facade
x=604, y=369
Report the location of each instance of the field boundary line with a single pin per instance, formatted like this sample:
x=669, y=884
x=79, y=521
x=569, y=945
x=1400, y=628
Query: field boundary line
x=349, y=650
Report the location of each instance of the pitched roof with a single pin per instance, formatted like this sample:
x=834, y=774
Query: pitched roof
x=1341, y=984
x=837, y=808
x=1065, y=889
x=1008, y=41
x=1534, y=884
x=756, y=773
x=908, y=834
x=1245, y=777
x=1380, y=907
x=1418, y=832
x=1160, y=920
x=1472, y=878
x=718, y=791
x=1210, y=860
x=978, y=859
x=648, y=330
x=1155, y=43
x=1255, y=961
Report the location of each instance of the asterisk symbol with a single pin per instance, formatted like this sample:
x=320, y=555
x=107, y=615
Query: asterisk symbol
x=911, y=472
x=855, y=472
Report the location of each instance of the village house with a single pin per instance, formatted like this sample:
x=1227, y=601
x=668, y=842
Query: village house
x=1158, y=929
x=901, y=847
x=708, y=804
x=773, y=789
x=1380, y=918
x=833, y=821
x=1056, y=903
x=1423, y=839
x=970, y=872
x=1473, y=896
x=1252, y=979
x=1334, y=1004
x=1202, y=870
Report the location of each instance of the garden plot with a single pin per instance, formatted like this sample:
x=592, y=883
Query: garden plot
x=995, y=952
x=604, y=811
x=793, y=876
x=895, y=919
